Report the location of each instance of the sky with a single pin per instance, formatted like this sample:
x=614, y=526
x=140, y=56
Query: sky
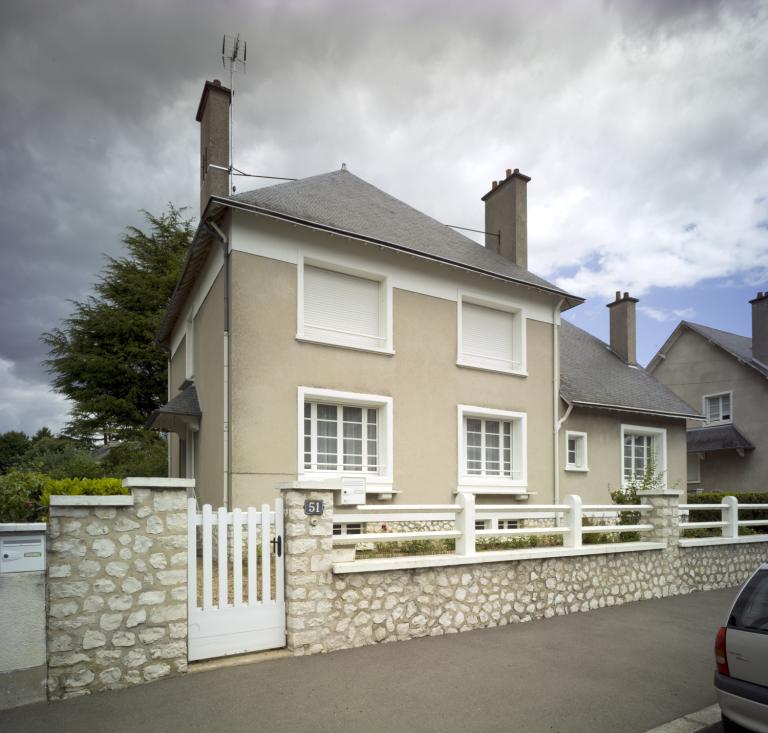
x=641, y=123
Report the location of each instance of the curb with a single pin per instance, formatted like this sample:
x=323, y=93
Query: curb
x=700, y=720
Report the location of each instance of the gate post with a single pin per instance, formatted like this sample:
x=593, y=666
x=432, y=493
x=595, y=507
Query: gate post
x=308, y=560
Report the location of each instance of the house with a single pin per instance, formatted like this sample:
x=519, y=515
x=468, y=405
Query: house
x=322, y=329
x=724, y=375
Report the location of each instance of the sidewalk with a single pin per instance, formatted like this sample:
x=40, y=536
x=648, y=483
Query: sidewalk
x=629, y=669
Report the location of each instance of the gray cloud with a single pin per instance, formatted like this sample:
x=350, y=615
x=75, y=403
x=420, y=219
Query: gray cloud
x=635, y=119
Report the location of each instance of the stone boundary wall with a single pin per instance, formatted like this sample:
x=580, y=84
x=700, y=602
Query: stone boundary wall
x=327, y=611
x=117, y=590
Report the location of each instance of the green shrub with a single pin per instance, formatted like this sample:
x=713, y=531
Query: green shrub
x=25, y=495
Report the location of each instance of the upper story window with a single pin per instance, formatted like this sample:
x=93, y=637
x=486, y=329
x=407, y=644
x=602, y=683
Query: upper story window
x=575, y=451
x=717, y=408
x=643, y=449
x=344, y=433
x=344, y=308
x=492, y=445
x=491, y=335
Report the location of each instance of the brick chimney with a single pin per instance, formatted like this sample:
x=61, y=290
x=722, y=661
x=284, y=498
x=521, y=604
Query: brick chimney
x=213, y=116
x=760, y=328
x=506, y=217
x=624, y=327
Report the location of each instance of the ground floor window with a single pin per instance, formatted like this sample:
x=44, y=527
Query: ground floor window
x=643, y=449
x=575, y=451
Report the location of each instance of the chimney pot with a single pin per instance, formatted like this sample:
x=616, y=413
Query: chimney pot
x=626, y=294
x=217, y=82
x=494, y=184
x=618, y=295
x=506, y=212
x=509, y=172
x=623, y=327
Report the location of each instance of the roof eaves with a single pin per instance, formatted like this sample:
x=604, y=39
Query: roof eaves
x=629, y=408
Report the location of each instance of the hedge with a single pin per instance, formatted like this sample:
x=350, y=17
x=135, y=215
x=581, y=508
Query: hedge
x=715, y=497
x=25, y=495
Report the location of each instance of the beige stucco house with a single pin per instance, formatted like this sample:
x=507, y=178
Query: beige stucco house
x=323, y=330
x=725, y=375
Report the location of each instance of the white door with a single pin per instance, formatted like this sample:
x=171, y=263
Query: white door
x=236, y=601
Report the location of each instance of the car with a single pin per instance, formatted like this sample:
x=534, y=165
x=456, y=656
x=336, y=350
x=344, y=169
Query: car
x=741, y=653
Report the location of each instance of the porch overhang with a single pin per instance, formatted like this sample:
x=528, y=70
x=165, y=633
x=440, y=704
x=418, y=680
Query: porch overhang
x=177, y=415
x=717, y=438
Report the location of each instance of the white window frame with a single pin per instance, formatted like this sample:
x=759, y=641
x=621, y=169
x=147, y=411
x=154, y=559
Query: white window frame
x=385, y=431
x=346, y=342
x=519, y=326
x=698, y=457
x=499, y=484
x=584, y=466
x=705, y=407
x=659, y=436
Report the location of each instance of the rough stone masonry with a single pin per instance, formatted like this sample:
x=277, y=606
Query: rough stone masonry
x=117, y=590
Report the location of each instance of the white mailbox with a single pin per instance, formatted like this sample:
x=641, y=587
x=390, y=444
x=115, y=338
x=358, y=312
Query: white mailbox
x=352, y=490
x=20, y=551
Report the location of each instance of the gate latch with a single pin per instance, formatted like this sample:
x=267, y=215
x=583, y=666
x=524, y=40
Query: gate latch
x=277, y=545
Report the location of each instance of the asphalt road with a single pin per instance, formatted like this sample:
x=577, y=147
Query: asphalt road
x=625, y=669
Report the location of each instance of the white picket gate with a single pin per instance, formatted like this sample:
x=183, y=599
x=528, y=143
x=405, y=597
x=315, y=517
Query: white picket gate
x=234, y=619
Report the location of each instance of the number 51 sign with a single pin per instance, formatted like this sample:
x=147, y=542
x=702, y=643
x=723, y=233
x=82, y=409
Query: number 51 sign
x=313, y=507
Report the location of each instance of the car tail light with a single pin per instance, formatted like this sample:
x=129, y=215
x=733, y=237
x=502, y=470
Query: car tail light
x=720, y=653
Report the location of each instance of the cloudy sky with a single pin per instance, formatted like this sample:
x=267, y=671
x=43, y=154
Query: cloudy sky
x=643, y=125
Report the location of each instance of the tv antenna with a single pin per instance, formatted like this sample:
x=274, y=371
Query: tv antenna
x=234, y=53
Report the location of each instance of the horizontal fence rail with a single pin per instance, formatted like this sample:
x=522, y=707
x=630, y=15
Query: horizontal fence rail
x=728, y=524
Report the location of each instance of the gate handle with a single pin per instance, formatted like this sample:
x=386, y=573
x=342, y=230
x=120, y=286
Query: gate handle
x=277, y=544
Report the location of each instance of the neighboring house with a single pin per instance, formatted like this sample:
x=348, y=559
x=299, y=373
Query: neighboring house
x=724, y=375
x=323, y=329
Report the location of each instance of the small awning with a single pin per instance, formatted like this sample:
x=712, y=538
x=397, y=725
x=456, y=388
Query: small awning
x=176, y=416
x=717, y=437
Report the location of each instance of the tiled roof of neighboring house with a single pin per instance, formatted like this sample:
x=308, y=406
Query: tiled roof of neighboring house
x=591, y=374
x=738, y=346
x=342, y=203
x=184, y=404
x=717, y=437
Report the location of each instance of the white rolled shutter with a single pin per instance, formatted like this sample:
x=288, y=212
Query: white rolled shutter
x=488, y=337
x=342, y=308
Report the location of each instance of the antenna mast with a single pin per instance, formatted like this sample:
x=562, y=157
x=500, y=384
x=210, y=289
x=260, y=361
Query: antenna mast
x=233, y=56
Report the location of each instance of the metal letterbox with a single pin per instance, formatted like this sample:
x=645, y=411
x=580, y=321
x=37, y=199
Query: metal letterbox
x=20, y=553
x=353, y=490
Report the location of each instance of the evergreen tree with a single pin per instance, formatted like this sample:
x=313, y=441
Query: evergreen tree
x=104, y=357
x=13, y=445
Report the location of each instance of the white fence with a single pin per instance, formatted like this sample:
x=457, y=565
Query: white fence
x=728, y=523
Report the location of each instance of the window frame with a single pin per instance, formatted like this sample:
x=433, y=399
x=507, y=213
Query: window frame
x=519, y=331
x=385, y=306
x=519, y=447
x=698, y=457
x=705, y=407
x=385, y=432
x=659, y=436
x=584, y=466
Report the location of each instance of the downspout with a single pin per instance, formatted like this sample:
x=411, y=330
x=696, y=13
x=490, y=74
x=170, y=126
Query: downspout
x=555, y=400
x=227, y=490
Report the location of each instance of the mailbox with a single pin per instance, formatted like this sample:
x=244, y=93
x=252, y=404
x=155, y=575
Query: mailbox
x=22, y=552
x=352, y=490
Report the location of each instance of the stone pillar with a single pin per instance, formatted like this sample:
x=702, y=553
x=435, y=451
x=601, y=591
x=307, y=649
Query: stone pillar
x=665, y=516
x=308, y=579
x=117, y=588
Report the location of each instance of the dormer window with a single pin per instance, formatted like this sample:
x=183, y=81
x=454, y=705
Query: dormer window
x=717, y=408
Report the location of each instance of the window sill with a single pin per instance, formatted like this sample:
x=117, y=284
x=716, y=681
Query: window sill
x=577, y=469
x=332, y=482
x=491, y=489
x=342, y=345
x=496, y=370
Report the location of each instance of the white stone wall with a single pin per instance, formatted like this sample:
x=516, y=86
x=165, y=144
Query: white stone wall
x=117, y=593
x=328, y=612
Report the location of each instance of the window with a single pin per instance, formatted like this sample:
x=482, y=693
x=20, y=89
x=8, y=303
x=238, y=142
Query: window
x=343, y=433
x=575, y=451
x=492, y=445
x=694, y=468
x=717, y=408
x=641, y=448
x=346, y=529
x=508, y=523
x=345, y=308
x=491, y=335
x=481, y=524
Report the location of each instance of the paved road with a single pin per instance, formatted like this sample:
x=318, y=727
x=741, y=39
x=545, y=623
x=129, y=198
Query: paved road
x=621, y=669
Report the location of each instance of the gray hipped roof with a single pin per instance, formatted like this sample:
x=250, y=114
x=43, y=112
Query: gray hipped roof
x=177, y=412
x=591, y=374
x=717, y=437
x=738, y=346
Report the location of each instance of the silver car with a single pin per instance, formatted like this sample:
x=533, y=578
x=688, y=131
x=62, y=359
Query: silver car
x=741, y=652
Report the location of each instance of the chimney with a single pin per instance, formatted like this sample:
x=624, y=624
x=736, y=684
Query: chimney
x=624, y=328
x=213, y=116
x=760, y=328
x=506, y=217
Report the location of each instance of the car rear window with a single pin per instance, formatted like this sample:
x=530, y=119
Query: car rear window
x=751, y=608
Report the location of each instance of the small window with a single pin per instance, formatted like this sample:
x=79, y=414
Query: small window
x=508, y=524
x=343, y=309
x=643, y=449
x=491, y=336
x=346, y=529
x=481, y=524
x=718, y=408
x=694, y=468
x=576, y=451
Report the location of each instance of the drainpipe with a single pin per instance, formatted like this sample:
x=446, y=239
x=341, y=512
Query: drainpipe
x=227, y=491
x=555, y=400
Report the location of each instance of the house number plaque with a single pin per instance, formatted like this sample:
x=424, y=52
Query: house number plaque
x=313, y=507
